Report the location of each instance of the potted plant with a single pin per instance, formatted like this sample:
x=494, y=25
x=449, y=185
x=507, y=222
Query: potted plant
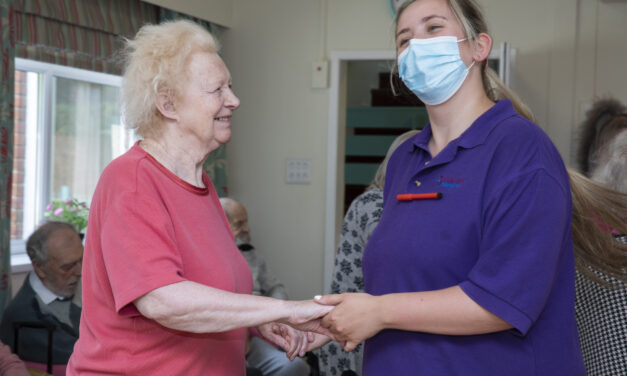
x=71, y=211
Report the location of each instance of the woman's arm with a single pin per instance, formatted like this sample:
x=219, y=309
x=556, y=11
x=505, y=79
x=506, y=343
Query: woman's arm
x=193, y=307
x=10, y=364
x=449, y=311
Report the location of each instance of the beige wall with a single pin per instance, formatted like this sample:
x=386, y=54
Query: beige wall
x=567, y=53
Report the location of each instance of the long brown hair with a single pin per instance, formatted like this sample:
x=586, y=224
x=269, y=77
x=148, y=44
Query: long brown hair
x=597, y=210
x=473, y=23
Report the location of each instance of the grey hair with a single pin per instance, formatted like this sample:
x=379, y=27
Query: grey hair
x=36, y=245
x=611, y=167
x=379, y=178
x=227, y=204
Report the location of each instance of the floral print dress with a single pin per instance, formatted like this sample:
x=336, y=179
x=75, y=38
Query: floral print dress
x=360, y=221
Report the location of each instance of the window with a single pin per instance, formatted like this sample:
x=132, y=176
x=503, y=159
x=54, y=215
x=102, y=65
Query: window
x=67, y=129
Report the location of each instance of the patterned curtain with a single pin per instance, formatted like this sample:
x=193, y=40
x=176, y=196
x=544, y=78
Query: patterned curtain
x=77, y=33
x=7, y=45
x=215, y=165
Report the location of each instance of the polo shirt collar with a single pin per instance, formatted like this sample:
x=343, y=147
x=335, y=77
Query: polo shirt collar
x=421, y=140
x=44, y=293
x=478, y=131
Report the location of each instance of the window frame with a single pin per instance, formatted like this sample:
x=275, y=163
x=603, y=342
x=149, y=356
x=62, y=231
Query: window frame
x=38, y=168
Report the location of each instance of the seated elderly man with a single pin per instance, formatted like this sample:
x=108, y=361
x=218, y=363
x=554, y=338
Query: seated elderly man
x=49, y=295
x=261, y=355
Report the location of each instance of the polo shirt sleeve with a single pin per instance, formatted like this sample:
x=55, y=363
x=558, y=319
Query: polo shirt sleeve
x=525, y=228
x=138, y=248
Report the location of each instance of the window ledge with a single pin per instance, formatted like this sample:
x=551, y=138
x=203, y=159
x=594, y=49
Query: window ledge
x=20, y=263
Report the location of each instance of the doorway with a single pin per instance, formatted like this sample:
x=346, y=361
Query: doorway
x=359, y=134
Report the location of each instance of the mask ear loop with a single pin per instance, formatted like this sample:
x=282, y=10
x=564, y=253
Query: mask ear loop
x=485, y=68
x=473, y=60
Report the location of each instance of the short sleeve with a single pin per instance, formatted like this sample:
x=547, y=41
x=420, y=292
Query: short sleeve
x=525, y=231
x=138, y=247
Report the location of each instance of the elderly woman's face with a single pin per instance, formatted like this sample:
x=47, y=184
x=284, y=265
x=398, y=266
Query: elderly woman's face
x=207, y=101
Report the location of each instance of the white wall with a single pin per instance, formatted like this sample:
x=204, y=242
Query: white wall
x=270, y=50
x=567, y=53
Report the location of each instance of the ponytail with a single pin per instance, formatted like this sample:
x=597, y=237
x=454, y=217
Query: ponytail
x=496, y=90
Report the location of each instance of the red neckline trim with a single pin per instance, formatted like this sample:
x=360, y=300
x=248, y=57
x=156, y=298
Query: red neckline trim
x=190, y=187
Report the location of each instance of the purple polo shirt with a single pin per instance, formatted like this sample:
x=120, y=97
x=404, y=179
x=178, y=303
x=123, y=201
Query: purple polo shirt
x=501, y=231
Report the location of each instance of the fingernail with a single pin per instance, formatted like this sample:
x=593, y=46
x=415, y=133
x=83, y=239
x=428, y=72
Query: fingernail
x=317, y=297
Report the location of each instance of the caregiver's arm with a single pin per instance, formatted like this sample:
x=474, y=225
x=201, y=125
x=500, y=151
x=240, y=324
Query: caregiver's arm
x=449, y=311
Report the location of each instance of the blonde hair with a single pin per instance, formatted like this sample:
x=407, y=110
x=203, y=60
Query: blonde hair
x=156, y=62
x=379, y=178
x=597, y=210
x=473, y=23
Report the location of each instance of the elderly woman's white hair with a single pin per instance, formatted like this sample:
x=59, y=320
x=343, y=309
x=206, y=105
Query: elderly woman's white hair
x=156, y=62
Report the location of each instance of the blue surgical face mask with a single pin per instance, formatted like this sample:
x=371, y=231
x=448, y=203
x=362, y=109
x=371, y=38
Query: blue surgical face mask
x=432, y=68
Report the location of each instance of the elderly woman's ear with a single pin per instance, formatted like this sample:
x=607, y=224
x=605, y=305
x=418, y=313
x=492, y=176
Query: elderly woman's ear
x=165, y=105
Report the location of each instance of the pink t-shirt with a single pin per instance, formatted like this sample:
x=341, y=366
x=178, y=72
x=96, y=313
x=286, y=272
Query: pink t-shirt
x=148, y=229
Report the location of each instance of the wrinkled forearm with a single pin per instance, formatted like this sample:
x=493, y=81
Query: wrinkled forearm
x=192, y=307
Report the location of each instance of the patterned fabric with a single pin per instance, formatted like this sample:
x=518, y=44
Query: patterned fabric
x=602, y=323
x=7, y=46
x=215, y=167
x=265, y=283
x=215, y=164
x=361, y=219
x=80, y=34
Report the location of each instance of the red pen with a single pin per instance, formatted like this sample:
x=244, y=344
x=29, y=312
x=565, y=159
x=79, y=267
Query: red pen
x=419, y=196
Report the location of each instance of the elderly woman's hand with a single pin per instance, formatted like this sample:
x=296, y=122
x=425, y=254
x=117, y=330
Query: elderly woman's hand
x=293, y=341
x=306, y=315
x=354, y=319
x=301, y=313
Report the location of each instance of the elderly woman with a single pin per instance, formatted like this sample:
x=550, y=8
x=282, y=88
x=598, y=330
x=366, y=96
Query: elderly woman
x=166, y=292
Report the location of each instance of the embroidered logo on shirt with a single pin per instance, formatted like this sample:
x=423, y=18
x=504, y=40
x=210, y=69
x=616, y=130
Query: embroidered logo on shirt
x=446, y=181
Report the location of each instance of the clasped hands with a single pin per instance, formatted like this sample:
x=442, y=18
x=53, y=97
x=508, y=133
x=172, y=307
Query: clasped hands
x=347, y=319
